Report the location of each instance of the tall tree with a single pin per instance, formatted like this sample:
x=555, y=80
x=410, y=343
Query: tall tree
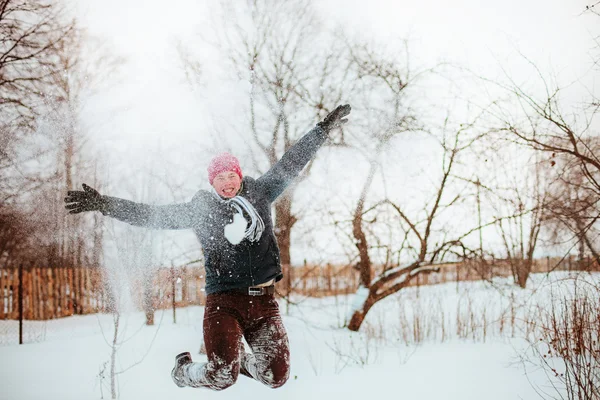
x=424, y=235
x=30, y=32
x=296, y=77
x=85, y=66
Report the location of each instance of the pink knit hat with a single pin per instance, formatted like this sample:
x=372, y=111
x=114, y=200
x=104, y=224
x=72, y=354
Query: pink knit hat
x=221, y=163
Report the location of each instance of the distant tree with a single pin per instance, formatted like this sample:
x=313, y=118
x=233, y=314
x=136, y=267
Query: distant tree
x=49, y=69
x=523, y=203
x=573, y=213
x=30, y=33
x=86, y=65
x=569, y=144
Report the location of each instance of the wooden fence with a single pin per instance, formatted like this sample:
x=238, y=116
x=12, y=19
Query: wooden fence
x=170, y=287
x=328, y=280
x=49, y=293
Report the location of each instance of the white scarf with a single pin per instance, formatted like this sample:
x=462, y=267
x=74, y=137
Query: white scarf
x=257, y=226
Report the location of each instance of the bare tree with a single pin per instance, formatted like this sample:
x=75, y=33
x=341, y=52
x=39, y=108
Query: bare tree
x=569, y=144
x=425, y=237
x=48, y=70
x=295, y=75
x=386, y=77
x=428, y=242
x=29, y=34
x=86, y=65
x=523, y=206
x=573, y=214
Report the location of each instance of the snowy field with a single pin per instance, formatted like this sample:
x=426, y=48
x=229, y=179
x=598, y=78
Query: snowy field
x=448, y=341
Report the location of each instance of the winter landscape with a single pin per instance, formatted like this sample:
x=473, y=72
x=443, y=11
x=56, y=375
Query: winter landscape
x=392, y=199
x=449, y=341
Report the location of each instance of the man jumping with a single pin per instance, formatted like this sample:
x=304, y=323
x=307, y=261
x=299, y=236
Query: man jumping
x=233, y=224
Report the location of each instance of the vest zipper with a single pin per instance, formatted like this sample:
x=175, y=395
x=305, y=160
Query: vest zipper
x=250, y=265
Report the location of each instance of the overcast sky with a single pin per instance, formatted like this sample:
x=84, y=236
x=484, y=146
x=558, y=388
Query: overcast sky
x=552, y=33
x=154, y=117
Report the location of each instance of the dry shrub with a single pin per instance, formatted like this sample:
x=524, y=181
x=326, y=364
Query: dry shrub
x=567, y=342
x=432, y=319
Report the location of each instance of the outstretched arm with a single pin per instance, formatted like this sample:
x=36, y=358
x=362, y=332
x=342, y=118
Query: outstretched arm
x=173, y=216
x=275, y=180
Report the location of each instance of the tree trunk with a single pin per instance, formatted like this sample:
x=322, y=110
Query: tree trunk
x=359, y=315
x=364, y=263
x=364, y=260
x=284, y=221
x=113, y=356
x=148, y=297
x=522, y=271
x=595, y=254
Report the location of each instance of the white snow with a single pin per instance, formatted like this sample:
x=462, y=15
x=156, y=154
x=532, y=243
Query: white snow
x=235, y=231
x=386, y=359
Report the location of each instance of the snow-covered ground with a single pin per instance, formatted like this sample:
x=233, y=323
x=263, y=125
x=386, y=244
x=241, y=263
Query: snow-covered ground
x=441, y=342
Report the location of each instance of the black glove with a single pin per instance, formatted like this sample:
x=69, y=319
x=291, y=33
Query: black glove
x=87, y=200
x=335, y=118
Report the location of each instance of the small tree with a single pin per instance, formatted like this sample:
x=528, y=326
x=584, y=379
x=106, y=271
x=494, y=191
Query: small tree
x=565, y=343
x=428, y=241
x=520, y=199
x=426, y=237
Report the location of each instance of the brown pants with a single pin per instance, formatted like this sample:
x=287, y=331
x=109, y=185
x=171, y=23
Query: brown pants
x=228, y=317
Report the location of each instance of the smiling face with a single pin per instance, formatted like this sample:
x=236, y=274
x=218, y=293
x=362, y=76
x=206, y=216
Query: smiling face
x=227, y=184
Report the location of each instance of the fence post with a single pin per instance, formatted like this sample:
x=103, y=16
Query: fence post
x=173, y=294
x=2, y=294
x=457, y=277
x=20, y=303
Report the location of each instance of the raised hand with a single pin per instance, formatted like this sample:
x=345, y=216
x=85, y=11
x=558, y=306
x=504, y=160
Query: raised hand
x=335, y=118
x=87, y=199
